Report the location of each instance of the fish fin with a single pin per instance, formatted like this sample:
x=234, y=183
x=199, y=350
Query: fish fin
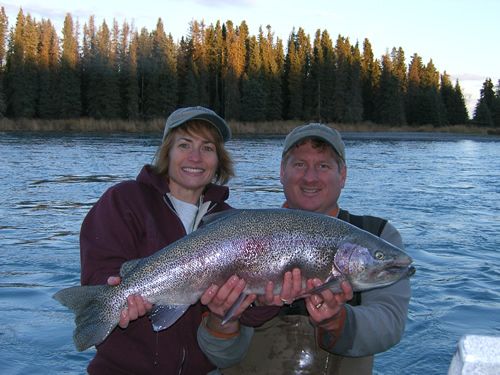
x=212, y=218
x=229, y=313
x=129, y=266
x=92, y=324
x=332, y=283
x=163, y=316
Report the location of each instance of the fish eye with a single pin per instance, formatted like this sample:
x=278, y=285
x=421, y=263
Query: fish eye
x=379, y=255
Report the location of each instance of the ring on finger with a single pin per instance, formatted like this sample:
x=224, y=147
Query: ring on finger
x=319, y=305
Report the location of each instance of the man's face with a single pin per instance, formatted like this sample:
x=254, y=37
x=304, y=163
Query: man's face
x=311, y=178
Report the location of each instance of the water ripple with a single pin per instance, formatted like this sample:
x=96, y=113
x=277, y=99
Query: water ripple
x=74, y=179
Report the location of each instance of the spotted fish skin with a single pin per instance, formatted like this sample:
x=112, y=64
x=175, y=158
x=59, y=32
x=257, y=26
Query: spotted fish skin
x=257, y=245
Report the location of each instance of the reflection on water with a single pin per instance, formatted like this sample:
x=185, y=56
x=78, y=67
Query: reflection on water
x=79, y=179
x=441, y=193
x=47, y=206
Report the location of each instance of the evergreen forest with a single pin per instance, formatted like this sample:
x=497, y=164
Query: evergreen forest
x=118, y=72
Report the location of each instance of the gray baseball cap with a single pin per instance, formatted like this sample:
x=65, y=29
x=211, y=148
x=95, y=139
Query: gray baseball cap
x=315, y=130
x=183, y=115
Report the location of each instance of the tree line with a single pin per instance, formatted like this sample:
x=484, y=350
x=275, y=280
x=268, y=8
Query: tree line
x=118, y=72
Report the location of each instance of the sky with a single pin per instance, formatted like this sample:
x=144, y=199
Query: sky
x=460, y=36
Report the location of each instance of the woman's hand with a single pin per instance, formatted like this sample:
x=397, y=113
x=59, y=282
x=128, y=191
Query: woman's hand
x=137, y=306
x=290, y=289
x=220, y=299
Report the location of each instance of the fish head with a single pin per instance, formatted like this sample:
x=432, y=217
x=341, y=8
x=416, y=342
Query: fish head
x=371, y=264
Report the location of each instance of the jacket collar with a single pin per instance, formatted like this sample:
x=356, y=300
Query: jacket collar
x=213, y=193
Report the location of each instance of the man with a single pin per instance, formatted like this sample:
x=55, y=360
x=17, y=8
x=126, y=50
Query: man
x=328, y=333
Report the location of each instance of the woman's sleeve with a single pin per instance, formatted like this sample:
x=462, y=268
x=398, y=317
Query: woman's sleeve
x=224, y=352
x=108, y=238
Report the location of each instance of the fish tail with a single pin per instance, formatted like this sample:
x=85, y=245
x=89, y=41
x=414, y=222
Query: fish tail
x=93, y=325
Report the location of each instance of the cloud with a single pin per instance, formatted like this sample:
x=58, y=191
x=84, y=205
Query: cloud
x=231, y=3
x=35, y=10
x=468, y=77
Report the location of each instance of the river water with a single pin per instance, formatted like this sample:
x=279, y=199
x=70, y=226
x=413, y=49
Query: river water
x=441, y=191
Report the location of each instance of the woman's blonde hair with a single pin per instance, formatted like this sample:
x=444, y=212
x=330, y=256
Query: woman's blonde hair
x=224, y=170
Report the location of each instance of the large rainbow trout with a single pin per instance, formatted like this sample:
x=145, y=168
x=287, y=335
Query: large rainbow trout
x=258, y=246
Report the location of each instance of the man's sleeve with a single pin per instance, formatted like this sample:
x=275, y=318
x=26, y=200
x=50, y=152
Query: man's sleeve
x=379, y=322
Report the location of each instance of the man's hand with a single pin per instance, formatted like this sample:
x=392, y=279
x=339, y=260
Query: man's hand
x=136, y=305
x=326, y=309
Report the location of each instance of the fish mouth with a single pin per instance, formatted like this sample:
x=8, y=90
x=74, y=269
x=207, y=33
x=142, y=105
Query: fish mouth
x=397, y=270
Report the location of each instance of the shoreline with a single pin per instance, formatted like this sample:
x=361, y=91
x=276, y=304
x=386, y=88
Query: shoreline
x=248, y=129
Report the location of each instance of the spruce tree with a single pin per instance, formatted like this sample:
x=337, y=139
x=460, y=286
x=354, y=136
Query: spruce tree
x=459, y=114
x=414, y=93
x=235, y=40
x=253, y=96
x=262, y=55
x=129, y=90
x=87, y=58
x=164, y=96
x=327, y=76
x=186, y=91
x=453, y=101
x=304, y=49
x=355, y=99
x=369, y=81
x=317, y=62
x=48, y=71
x=4, y=26
x=274, y=76
x=293, y=83
x=399, y=69
x=483, y=115
x=495, y=107
x=195, y=70
x=199, y=62
x=447, y=96
x=389, y=100
x=432, y=110
x=342, y=92
x=70, y=105
x=323, y=77
x=103, y=90
x=157, y=66
x=22, y=82
x=214, y=59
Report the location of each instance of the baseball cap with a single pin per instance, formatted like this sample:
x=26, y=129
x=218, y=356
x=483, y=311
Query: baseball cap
x=182, y=115
x=315, y=130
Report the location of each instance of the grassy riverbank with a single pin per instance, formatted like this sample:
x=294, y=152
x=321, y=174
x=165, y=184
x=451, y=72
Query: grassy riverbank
x=238, y=128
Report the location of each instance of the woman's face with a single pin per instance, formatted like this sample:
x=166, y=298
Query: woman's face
x=192, y=165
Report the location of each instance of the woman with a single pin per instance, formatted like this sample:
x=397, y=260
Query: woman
x=134, y=219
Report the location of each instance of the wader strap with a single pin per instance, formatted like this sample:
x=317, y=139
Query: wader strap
x=372, y=224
